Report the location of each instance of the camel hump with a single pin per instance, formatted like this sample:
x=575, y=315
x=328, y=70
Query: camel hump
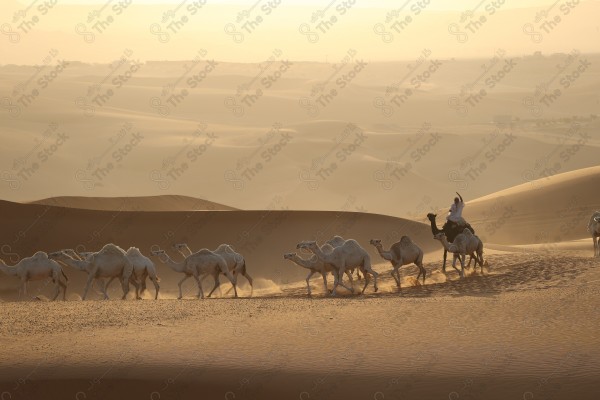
x=40, y=255
x=110, y=248
x=405, y=240
x=204, y=252
x=467, y=232
x=326, y=248
x=225, y=248
x=134, y=252
x=336, y=241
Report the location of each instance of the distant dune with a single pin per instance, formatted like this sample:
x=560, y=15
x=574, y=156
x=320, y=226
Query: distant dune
x=546, y=210
x=141, y=203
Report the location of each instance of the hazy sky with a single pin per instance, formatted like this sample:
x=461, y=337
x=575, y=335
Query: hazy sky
x=248, y=31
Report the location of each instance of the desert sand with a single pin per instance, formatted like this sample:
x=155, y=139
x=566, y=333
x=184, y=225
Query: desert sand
x=526, y=328
x=248, y=122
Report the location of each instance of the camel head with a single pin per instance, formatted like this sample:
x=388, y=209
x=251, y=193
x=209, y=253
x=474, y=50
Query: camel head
x=289, y=256
x=308, y=244
x=375, y=242
x=179, y=246
x=439, y=236
x=431, y=217
x=72, y=253
x=158, y=252
x=86, y=255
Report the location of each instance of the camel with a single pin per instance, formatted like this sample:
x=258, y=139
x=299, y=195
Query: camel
x=464, y=243
x=594, y=230
x=338, y=241
x=401, y=253
x=199, y=263
x=143, y=267
x=316, y=265
x=110, y=261
x=450, y=230
x=35, y=268
x=313, y=264
x=345, y=257
x=235, y=261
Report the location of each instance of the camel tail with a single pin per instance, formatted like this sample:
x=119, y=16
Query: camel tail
x=63, y=274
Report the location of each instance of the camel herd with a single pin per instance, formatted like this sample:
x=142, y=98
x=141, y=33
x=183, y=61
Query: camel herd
x=337, y=256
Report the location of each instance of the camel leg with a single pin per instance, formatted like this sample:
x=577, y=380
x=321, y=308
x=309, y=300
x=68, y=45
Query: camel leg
x=335, y=283
x=307, y=279
x=56, y=290
x=25, y=287
x=104, y=288
x=370, y=270
x=91, y=278
x=125, y=286
x=462, y=257
x=136, y=286
x=422, y=270
x=367, y=279
x=596, y=245
x=179, y=284
x=444, y=265
x=341, y=281
x=349, y=275
x=233, y=280
x=250, y=282
x=217, y=284
x=456, y=256
x=143, y=281
x=154, y=280
x=396, y=275
x=358, y=274
x=324, y=274
x=64, y=286
x=200, y=291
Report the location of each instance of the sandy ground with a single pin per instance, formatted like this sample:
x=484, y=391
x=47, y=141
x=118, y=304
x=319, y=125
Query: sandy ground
x=525, y=330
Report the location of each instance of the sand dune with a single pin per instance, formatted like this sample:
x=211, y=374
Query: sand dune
x=402, y=169
x=138, y=203
x=547, y=210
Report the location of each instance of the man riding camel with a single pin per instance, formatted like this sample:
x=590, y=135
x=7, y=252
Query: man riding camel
x=455, y=212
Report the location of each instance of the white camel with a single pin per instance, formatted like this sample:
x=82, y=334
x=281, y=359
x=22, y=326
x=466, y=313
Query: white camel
x=337, y=241
x=401, y=253
x=594, y=230
x=464, y=243
x=316, y=265
x=197, y=264
x=35, y=268
x=110, y=261
x=345, y=257
x=143, y=267
x=235, y=261
x=313, y=264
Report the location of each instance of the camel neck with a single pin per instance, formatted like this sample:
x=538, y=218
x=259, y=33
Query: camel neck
x=434, y=227
x=302, y=262
x=8, y=270
x=77, y=264
x=175, y=266
x=445, y=243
